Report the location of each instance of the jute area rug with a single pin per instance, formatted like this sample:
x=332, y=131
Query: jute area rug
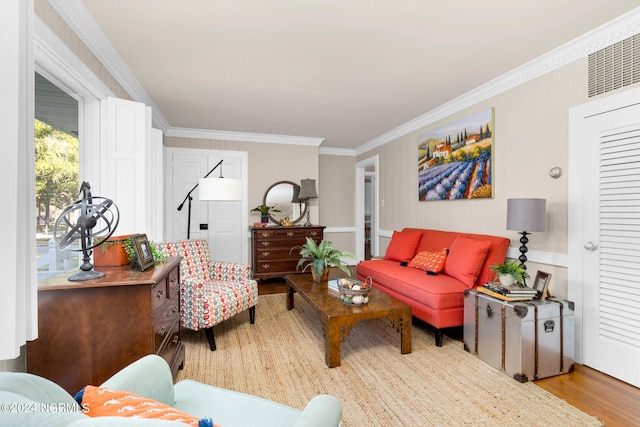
x=281, y=358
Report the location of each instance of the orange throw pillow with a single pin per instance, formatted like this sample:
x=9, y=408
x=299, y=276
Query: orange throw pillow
x=403, y=245
x=432, y=262
x=102, y=402
x=465, y=260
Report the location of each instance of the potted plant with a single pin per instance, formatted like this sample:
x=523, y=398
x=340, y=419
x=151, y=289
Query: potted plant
x=264, y=211
x=510, y=273
x=111, y=252
x=131, y=253
x=320, y=257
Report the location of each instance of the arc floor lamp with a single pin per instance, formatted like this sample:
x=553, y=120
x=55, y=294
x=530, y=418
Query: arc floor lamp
x=213, y=189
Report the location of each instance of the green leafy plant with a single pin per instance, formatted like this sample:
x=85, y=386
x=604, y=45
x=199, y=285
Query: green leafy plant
x=321, y=256
x=511, y=268
x=264, y=209
x=131, y=253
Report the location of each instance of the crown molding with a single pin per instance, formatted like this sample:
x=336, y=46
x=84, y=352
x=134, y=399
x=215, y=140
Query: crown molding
x=243, y=136
x=333, y=151
x=612, y=32
x=85, y=27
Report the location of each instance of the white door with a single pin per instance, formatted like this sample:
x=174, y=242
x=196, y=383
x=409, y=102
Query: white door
x=222, y=224
x=604, y=233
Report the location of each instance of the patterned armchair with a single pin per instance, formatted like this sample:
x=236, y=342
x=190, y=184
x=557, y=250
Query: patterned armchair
x=210, y=291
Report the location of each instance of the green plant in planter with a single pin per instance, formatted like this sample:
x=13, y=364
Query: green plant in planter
x=511, y=269
x=128, y=248
x=321, y=256
x=264, y=209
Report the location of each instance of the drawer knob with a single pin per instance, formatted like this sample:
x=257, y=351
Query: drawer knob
x=173, y=280
x=160, y=294
x=314, y=233
x=290, y=233
x=265, y=234
x=162, y=331
x=176, y=339
x=266, y=254
x=266, y=243
x=266, y=266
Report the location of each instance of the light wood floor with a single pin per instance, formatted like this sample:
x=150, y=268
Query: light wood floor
x=614, y=402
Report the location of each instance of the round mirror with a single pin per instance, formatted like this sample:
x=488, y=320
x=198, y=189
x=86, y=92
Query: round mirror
x=281, y=196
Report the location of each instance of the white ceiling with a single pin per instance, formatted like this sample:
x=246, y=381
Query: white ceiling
x=347, y=71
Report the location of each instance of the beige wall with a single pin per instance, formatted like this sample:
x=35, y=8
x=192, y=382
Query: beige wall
x=531, y=137
x=336, y=191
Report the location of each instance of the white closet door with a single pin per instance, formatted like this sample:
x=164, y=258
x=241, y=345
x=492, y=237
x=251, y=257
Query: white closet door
x=607, y=209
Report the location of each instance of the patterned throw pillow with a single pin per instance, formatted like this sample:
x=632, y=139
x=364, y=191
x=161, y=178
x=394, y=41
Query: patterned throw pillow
x=100, y=401
x=432, y=262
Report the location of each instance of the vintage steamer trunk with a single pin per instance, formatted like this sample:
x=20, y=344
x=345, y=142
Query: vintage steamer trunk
x=526, y=340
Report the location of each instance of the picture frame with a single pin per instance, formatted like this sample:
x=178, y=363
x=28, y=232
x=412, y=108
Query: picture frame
x=143, y=258
x=455, y=161
x=541, y=284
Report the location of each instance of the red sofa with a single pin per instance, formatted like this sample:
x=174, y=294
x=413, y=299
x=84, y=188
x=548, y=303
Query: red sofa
x=431, y=269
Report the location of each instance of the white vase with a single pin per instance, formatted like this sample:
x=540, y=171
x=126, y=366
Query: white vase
x=506, y=279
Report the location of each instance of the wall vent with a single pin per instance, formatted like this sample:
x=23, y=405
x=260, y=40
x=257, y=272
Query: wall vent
x=615, y=66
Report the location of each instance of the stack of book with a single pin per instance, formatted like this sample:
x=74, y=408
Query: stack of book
x=508, y=293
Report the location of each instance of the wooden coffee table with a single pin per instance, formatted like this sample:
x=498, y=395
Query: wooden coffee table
x=338, y=319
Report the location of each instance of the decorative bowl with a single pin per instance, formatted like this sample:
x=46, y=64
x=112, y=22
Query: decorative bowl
x=354, y=292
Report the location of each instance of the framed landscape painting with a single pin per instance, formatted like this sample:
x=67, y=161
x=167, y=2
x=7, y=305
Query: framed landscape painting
x=456, y=161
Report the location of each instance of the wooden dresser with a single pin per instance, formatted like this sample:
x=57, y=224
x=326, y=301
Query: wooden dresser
x=270, y=247
x=89, y=330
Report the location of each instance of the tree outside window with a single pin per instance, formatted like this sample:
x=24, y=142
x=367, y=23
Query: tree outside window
x=57, y=172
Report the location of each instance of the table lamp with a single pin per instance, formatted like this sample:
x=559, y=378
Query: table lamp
x=525, y=215
x=307, y=191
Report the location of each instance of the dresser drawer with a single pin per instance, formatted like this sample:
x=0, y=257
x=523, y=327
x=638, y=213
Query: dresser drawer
x=296, y=234
x=173, y=281
x=167, y=349
x=165, y=318
x=314, y=234
x=278, y=254
x=277, y=266
x=159, y=295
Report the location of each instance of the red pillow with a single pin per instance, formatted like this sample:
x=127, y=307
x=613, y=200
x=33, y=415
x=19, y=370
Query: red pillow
x=403, y=245
x=432, y=262
x=465, y=260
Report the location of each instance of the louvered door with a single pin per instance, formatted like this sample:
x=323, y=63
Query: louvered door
x=609, y=162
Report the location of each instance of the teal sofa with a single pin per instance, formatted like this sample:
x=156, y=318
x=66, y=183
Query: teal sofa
x=30, y=400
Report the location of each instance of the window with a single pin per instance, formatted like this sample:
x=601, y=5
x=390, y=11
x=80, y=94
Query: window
x=57, y=170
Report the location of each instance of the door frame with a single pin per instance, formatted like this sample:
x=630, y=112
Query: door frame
x=576, y=236
x=359, y=206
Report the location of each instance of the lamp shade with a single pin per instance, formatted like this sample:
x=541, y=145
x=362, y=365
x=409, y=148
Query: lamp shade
x=526, y=214
x=220, y=189
x=308, y=189
x=296, y=194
